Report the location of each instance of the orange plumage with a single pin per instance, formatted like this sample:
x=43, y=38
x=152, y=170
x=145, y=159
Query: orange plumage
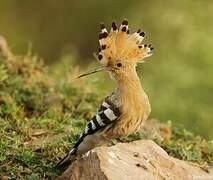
x=118, y=44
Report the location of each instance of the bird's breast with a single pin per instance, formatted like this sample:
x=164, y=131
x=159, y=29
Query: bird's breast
x=135, y=109
x=129, y=122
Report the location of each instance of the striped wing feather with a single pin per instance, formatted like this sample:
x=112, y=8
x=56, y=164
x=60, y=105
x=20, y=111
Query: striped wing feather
x=106, y=114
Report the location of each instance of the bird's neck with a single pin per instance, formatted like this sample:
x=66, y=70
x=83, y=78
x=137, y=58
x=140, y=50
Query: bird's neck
x=129, y=84
x=130, y=91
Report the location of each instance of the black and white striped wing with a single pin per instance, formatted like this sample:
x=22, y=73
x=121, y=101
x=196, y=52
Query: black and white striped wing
x=106, y=115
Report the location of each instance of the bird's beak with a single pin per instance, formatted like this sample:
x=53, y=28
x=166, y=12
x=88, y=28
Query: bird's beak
x=92, y=72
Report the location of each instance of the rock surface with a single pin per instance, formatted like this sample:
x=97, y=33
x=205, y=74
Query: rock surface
x=153, y=129
x=138, y=160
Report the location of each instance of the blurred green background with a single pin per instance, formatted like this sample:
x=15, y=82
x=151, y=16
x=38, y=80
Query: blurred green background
x=178, y=77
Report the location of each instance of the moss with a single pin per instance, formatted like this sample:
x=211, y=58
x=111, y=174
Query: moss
x=187, y=146
x=35, y=112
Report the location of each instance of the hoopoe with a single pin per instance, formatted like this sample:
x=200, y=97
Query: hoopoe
x=126, y=109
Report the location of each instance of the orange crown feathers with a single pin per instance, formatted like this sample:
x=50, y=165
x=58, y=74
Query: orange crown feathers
x=118, y=44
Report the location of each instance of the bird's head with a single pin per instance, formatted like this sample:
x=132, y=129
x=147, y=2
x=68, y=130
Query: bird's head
x=120, y=51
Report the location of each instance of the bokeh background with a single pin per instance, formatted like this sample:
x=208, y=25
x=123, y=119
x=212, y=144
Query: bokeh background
x=177, y=78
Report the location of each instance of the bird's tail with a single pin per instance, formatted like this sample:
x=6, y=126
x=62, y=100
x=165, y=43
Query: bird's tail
x=67, y=160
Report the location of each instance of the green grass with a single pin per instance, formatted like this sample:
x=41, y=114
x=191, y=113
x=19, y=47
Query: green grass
x=187, y=146
x=43, y=111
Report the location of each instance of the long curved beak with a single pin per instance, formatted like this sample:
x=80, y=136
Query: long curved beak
x=92, y=72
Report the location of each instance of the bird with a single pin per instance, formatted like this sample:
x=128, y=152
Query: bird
x=126, y=109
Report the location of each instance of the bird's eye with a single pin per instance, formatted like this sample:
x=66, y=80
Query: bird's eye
x=119, y=65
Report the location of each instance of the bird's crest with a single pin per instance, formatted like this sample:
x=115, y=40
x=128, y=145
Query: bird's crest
x=119, y=44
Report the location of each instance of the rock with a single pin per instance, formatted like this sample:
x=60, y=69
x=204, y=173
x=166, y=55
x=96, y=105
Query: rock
x=137, y=160
x=153, y=129
x=4, y=177
x=4, y=49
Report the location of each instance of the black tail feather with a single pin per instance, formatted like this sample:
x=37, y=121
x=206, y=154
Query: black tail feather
x=67, y=160
x=62, y=162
